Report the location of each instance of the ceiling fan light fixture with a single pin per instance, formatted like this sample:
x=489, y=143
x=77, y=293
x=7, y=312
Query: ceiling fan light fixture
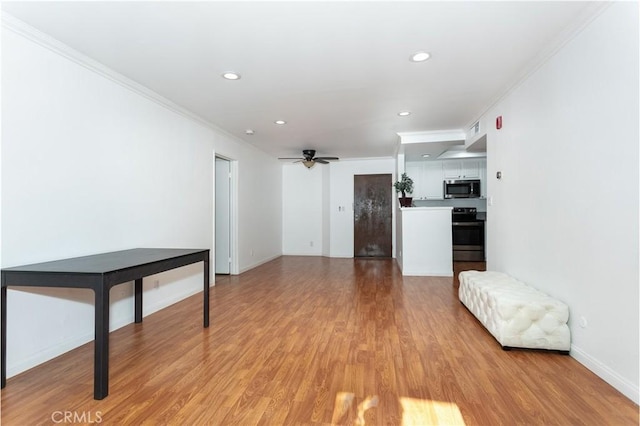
x=231, y=75
x=420, y=56
x=309, y=158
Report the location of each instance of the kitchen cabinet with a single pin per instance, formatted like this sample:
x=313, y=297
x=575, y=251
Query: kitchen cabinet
x=413, y=169
x=427, y=179
x=451, y=170
x=428, y=175
x=461, y=169
x=432, y=175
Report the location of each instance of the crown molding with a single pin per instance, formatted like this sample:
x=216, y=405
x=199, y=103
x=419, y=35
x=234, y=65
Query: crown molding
x=581, y=21
x=23, y=29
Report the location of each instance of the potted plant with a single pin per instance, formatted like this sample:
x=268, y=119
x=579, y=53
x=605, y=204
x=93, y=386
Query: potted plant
x=404, y=186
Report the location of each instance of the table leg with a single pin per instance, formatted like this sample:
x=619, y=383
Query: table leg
x=101, y=344
x=3, y=306
x=138, y=300
x=206, y=291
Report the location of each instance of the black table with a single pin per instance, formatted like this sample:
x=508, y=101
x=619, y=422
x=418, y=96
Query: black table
x=100, y=272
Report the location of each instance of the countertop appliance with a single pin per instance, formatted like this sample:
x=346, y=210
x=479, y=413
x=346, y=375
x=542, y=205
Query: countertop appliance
x=461, y=188
x=468, y=235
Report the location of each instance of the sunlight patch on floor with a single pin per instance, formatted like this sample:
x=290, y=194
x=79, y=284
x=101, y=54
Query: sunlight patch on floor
x=415, y=412
x=419, y=412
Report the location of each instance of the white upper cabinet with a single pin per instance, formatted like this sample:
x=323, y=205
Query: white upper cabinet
x=461, y=169
x=413, y=169
x=452, y=169
x=471, y=169
x=432, y=173
x=428, y=175
x=427, y=179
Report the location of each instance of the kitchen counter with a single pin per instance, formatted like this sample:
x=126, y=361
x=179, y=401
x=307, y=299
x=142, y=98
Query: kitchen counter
x=426, y=208
x=479, y=203
x=424, y=241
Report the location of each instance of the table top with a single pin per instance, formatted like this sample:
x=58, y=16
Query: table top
x=106, y=262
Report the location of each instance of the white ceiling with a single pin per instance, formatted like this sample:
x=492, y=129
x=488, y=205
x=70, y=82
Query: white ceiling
x=337, y=72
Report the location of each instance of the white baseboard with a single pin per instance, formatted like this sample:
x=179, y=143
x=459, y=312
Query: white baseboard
x=161, y=304
x=426, y=273
x=302, y=253
x=623, y=385
x=258, y=263
x=47, y=354
x=73, y=343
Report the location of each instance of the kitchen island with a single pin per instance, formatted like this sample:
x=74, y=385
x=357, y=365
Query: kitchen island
x=424, y=243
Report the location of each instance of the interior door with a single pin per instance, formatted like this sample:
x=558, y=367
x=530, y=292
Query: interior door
x=372, y=196
x=223, y=216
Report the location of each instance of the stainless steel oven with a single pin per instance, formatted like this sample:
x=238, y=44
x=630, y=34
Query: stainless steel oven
x=468, y=235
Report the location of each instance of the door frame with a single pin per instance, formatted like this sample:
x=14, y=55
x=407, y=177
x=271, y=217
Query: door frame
x=393, y=214
x=233, y=215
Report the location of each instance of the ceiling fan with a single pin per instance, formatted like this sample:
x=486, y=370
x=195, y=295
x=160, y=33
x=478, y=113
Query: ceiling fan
x=309, y=159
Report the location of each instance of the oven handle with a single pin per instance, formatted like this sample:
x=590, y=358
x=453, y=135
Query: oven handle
x=466, y=223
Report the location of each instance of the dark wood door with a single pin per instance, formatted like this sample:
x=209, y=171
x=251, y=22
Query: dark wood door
x=372, y=215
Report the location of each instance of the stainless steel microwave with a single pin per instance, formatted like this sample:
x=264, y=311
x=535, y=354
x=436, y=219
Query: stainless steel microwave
x=469, y=188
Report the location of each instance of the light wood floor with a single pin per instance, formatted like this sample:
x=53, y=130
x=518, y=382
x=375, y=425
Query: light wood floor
x=310, y=340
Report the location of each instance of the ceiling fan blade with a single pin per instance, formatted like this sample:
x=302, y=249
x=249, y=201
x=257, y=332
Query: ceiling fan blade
x=321, y=161
x=326, y=158
x=290, y=158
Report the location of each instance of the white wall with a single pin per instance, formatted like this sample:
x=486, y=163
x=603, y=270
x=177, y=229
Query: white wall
x=260, y=207
x=325, y=212
x=258, y=191
x=302, y=201
x=89, y=166
x=565, y=214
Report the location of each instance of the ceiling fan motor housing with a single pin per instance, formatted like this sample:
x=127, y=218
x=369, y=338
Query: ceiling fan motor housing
x=308, y=153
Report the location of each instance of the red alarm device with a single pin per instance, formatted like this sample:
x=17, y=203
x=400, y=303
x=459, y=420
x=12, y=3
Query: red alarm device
x=499, y=122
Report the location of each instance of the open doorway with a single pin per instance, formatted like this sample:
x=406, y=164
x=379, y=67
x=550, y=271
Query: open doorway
x=223, y=217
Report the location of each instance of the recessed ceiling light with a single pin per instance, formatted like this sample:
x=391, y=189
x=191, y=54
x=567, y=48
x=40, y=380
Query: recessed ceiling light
x=420, y=56
x=249, y=132
x=404, y=113
x=280, y=122
x=231, y=76
x=426, y=155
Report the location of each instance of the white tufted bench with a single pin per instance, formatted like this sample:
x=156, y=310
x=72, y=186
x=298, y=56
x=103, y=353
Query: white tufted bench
x=517, y=315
